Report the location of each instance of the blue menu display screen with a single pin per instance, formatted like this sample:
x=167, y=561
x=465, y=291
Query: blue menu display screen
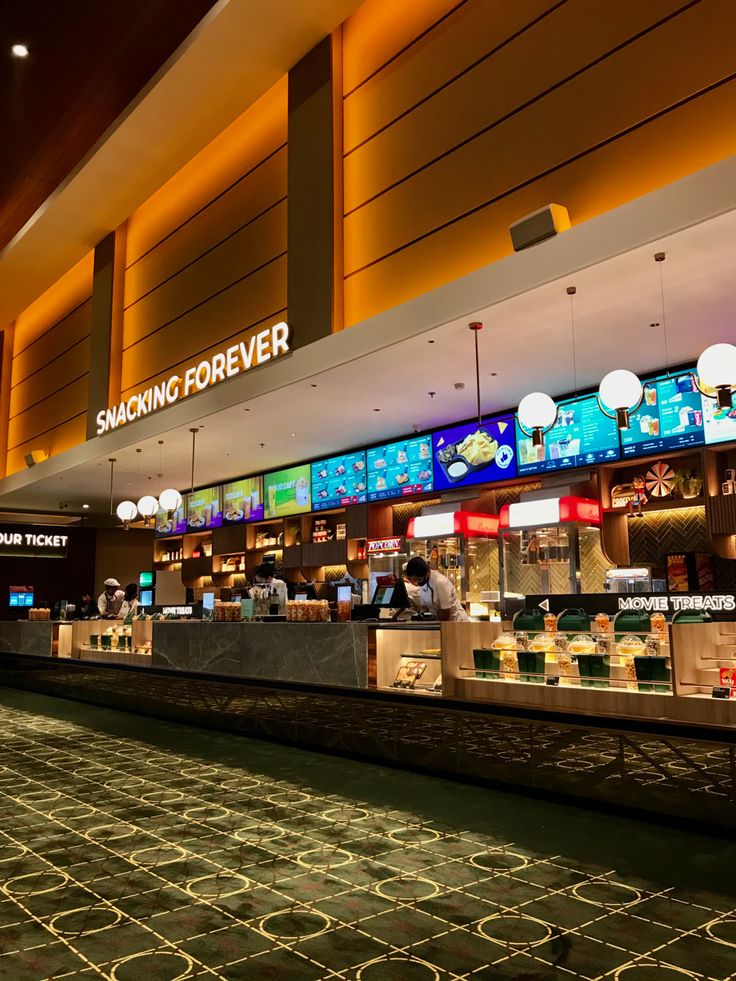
x=581, y=437
x=339, y=481
x=400, y=469
x=21, y=599
x=719, y=424
x=669, y=418
x=474, y=454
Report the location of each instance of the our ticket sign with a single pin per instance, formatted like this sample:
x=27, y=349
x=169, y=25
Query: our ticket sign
x=33, y=544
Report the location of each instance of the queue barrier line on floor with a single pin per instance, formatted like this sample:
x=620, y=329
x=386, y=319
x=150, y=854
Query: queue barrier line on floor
x=677, y=772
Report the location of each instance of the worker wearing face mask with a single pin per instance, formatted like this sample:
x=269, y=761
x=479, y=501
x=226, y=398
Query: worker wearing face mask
x=436, y=593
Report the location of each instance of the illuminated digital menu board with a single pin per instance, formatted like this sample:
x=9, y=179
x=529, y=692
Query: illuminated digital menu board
x=339, y=481
x=669, y=418
x=399, y=469
x=581, y=437
x=474, y=454
x=175, y=524
x=242, y=501
x=204, y=509
x=719, y=424
x=287, y=491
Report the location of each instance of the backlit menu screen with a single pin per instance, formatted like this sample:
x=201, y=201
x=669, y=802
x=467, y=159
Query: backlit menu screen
x=400, y=469
x=339, y=481
x=670, y=418
x=581, y=437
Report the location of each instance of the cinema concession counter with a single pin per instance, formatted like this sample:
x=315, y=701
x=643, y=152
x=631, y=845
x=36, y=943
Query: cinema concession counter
x=690, y=678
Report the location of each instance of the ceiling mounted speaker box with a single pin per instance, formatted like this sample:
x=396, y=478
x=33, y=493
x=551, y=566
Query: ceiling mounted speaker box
x=36, y=456
x=538, y=226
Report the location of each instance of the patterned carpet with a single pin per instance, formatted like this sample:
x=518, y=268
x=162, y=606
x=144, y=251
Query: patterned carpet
x=135, y=850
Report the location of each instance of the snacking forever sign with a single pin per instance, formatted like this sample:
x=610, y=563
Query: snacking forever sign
x=267, y=344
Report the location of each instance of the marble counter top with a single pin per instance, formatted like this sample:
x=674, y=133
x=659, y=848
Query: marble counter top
x=314, y=653
x=26, y=636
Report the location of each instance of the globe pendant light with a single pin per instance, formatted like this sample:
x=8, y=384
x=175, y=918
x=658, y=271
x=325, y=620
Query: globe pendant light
x=147, y=506
x=537, y=414
x=127, y=512
x=717, y=372
x=622, y=392
x=169, y=500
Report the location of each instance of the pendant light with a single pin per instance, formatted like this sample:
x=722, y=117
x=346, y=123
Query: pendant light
x=717, y=372
x=194, y=432
x=147, y=507
x=127, y=512
x=537, y=414
x=620, y=393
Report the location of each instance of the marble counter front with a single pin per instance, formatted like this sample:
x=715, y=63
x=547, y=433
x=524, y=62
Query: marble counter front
x=26, y=636
x=310, y=653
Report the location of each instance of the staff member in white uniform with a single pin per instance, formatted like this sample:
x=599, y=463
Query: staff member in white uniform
x=267, y=586
x=436, y=592
x=111, y=599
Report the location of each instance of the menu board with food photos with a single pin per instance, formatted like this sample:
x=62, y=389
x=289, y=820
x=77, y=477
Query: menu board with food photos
x=474, y=454
x=581, y=437
x=204, y=509
x=171, y=524
x=719, y=424
x=339, y=481
x=243, y=501
x=400, y=469
x=669, y=418
x=288, y=491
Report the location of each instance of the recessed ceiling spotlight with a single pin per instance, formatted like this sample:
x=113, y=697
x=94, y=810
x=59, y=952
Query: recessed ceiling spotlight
x=654, y=324
x=313, y=385
x=293, y=434
x=85, y=507
x=493, y=374
x=246, y=409
x=376, y=410
x=430, y=342
x=19, y=51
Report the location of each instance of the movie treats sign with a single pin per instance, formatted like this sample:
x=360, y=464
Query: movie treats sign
x=33, y=545
x=264, y=346
x=674, y=603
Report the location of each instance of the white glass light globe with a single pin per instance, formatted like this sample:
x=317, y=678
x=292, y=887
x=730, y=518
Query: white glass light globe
x=717, y=366
x=126, y=511
x=148, y=506
x=537, y=411
x=169, y=499
x=620, y=389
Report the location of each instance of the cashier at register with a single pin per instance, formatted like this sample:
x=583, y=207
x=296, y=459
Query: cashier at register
x=436, y=592
x=264, y=580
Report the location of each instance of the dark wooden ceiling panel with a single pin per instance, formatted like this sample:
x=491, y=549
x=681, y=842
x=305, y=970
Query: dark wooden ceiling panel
x=88, y=60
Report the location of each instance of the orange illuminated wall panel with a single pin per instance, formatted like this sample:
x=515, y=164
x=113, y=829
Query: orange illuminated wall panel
x=206, y=255
x=50, y=369
x=491, y=110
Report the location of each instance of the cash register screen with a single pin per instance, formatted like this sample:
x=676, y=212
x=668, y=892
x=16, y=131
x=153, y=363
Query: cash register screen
x=391, y=595
x=208, y=601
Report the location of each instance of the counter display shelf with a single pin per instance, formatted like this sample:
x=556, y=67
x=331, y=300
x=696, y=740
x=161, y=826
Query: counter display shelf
x=124, y=644
x=408, y=658
x=705, y=660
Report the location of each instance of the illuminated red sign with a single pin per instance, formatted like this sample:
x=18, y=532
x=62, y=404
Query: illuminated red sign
x=385, y=545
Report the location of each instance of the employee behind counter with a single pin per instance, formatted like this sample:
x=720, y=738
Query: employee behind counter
x=436, y=593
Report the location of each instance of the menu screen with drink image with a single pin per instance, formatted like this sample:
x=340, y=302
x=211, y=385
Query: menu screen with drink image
x=204, y=509
x=174, y=523
x=339, y=481
x=670, y=418
x=288, y=491
x=400, y=468
x=242, y=501
x=582, y=436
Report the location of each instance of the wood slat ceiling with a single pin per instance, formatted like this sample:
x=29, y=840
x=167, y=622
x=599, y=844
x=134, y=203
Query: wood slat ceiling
x=88, y=60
